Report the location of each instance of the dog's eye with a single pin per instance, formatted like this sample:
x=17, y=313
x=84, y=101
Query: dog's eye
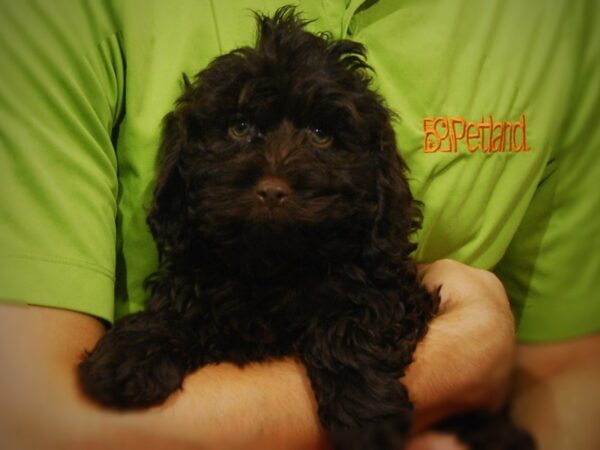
x=240, y=129
x=319, y=137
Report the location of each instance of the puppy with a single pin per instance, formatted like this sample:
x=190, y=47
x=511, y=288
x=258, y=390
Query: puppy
x=283, y=219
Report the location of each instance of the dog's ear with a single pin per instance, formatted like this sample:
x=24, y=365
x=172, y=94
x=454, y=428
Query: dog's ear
x=398, y=214
x=168, y=213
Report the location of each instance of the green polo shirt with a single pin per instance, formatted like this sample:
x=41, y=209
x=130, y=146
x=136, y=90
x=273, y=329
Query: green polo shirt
x=498, y=106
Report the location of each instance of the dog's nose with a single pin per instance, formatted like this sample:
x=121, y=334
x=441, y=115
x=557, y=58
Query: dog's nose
x=273, y=191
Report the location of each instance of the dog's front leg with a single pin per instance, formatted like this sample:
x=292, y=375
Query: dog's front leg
x=362, y=405
x=139, y=362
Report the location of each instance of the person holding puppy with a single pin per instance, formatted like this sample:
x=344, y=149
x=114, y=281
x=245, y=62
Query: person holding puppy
x=494, y=129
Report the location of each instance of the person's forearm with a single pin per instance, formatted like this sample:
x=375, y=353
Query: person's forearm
x=262, y=406
x=456, y=369
x=40, y=406
x=268, y=406
x=223, y=407
x=557, y=394
x=467, y=358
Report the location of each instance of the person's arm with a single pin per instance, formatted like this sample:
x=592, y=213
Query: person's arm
x=557, y=394
x=263, y=406
x=266, y=406
x=467, y=358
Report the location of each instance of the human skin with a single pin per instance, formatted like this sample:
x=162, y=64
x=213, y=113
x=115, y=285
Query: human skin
x=557, y=393
x=459, y=365
x=556, y=397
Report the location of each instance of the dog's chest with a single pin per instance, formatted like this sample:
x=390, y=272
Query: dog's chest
x=256, y=321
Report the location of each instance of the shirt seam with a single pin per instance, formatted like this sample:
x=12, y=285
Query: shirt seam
x=68, y=262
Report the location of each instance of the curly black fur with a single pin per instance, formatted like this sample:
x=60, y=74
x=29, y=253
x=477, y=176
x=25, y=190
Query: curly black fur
x=324, y=274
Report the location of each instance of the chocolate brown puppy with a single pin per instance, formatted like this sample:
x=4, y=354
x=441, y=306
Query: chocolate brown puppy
x=283, y=218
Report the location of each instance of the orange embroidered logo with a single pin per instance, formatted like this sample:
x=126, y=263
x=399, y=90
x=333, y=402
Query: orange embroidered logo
x=445, y=134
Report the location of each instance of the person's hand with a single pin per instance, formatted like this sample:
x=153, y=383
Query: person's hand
x=462, y=286
x=466, y=359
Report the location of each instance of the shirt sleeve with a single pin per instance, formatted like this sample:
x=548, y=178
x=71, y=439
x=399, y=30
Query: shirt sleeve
x=552, y=267
x=60, y=97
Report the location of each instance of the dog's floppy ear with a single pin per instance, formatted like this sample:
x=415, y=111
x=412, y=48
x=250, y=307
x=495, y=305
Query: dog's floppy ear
x=397, y=215
x=168, y=213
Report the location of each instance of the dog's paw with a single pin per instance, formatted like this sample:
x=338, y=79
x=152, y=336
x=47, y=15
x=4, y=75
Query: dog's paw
x=133, y=367
x=130, y=380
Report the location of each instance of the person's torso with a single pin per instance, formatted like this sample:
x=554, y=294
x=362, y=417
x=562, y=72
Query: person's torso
x=480, y=89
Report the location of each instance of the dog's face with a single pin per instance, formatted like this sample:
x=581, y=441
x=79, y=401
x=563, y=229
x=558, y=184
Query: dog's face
x=279, y=150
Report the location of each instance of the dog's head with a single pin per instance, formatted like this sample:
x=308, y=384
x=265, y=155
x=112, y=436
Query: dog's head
x=282, y=152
